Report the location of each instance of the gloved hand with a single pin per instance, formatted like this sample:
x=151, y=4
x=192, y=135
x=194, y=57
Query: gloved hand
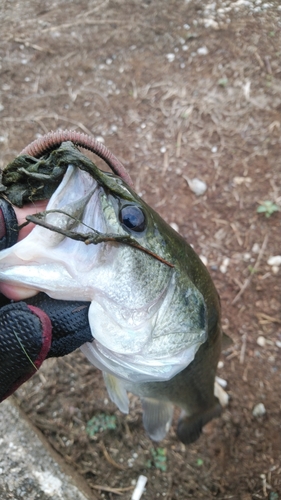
x=35, y=329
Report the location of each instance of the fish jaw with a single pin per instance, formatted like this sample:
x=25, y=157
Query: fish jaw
x=47, y=261
x=137, y=369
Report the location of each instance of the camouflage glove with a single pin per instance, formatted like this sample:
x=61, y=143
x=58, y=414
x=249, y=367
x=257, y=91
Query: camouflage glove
x=35, y=329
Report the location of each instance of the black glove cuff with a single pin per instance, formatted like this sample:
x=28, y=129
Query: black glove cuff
x=9, y=229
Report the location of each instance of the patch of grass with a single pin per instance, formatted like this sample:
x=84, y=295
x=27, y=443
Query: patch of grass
x=99, y=423
x=222, y=82
x=158, y=460
x=252, y=270
x=267, y=208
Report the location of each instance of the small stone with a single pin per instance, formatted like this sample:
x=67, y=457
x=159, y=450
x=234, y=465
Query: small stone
x=197, y=186
x=202, y=51
x=224, y=265
x=220, y=364
x=170, y=57
x=261, y=341
x=99, y=138
x=275, y=260
x=214, y=149
x=278, y=343
x=220, y=393
x=163, y=149
x=259, y=410
x=221, y=381
x=256, y=248
x=242, y=180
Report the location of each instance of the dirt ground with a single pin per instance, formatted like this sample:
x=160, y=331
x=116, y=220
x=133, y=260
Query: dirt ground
x=176, y=89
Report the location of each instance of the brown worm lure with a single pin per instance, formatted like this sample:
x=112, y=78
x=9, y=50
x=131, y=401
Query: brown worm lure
x=53, y=140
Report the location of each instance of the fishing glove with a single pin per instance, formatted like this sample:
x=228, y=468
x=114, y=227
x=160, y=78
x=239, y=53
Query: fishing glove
x=35, y=329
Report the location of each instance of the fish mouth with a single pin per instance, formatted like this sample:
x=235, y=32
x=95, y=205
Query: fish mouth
x=138, y=368
x=48, y=261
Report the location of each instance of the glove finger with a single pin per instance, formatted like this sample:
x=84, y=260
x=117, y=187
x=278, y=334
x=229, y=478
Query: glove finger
x=69, y=320
x=25, y=340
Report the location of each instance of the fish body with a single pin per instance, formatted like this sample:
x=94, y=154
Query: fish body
x=154, y=313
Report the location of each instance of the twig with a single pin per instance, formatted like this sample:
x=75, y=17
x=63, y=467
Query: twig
x=74, y=122
x=264, y=319
x=268, y=65
x=33, y=46
x=52, y=116
x=116, y=491
x=83, y=21
x=249, y=279
x=178, y=145
x=45, y=130
x=243, y=348
x=237, y=234
x=259, y=59
x=110, y=459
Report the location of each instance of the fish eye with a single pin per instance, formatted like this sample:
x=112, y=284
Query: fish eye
x=132, y=217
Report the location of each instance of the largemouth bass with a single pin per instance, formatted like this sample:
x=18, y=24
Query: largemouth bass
x=154, y=313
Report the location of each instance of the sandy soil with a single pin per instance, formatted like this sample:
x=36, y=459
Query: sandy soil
x=177, y=90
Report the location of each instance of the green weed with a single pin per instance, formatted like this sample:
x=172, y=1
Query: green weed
x=267, y=208
x=99, y=423
x=158, y=460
